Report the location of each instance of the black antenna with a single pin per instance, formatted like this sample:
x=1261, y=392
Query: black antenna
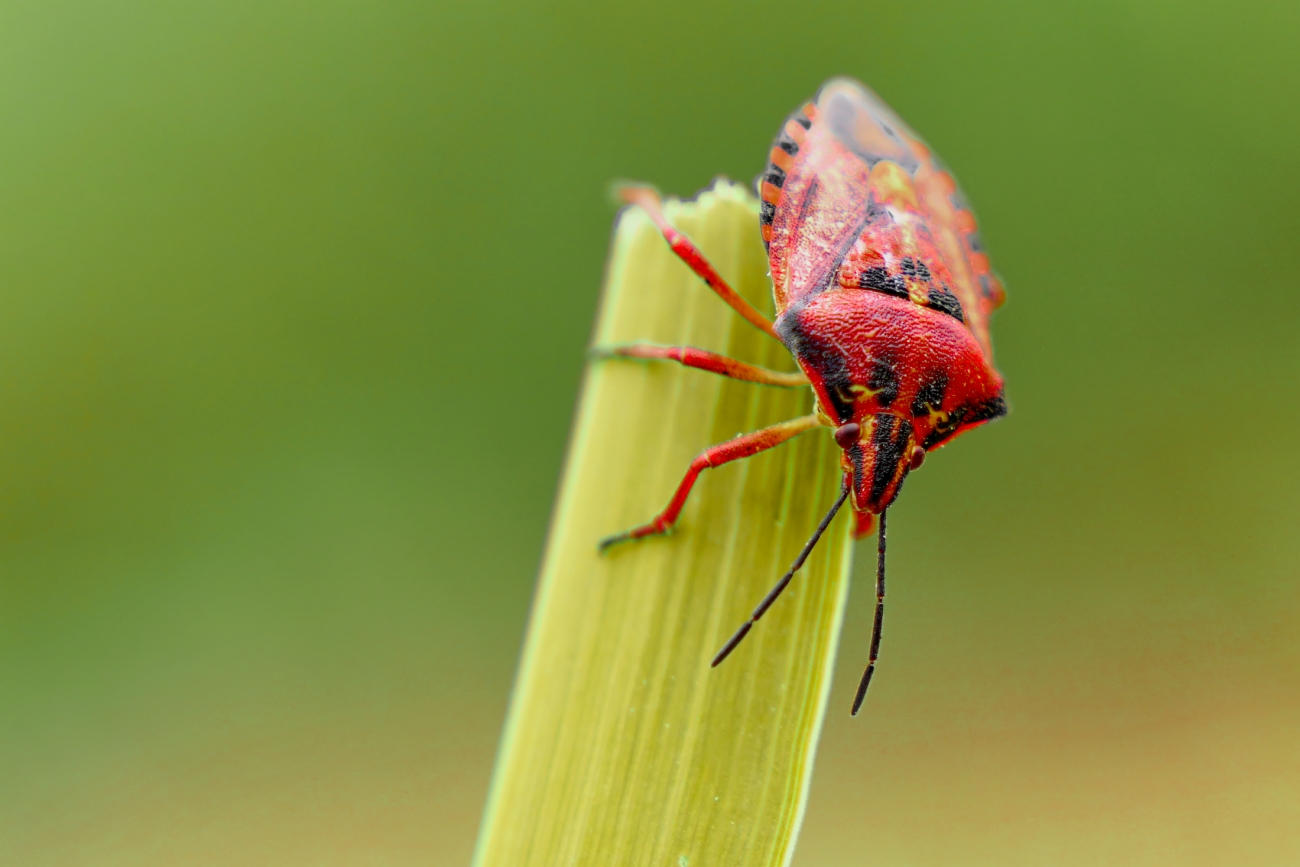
x=785, y=579
x=879, y=621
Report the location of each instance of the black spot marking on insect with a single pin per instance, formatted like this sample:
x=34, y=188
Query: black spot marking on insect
x=965, y=416
x=915, y=268
x=890, y=441
x=787, y=144
x=802, y=119
x=944, y=429
x=937, y=436
x=994, y=407
x=944, y=301
x=774, y=175
x=766, y=212
x=884, y=382
x=930, y=395
x=879, y=280
x=856, y=460
x=829, y=364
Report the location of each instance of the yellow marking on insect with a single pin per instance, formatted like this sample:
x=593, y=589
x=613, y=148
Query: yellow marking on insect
x=936, y=417
x=893, y=184
x=855, y=393
x=821, y=413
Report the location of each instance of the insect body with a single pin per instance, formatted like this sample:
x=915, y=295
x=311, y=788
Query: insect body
x=883, y=297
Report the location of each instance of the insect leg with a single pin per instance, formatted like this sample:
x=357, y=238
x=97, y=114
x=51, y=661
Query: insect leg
x=703, y=360
x=648, y=199
x=732, y=450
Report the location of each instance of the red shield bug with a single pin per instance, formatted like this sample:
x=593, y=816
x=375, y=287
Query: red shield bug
x=883, y=296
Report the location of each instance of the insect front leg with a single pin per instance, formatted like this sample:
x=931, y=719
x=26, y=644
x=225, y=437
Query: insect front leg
x=733, y=450
x=701, y=359
x=647, y=198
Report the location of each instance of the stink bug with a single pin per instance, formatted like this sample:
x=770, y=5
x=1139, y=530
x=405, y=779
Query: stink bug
x=883, y=296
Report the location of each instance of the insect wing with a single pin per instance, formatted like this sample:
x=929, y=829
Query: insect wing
x=854, y=154
x=816, y=199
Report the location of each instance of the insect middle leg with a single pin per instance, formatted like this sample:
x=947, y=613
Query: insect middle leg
x=743, y=446
x=702, y=359
x=647, y=198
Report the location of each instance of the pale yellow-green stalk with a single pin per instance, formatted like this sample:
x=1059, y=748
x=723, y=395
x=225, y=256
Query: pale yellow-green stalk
x=623, y=747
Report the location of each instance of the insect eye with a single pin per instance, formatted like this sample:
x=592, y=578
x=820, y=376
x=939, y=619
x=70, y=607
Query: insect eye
x=918, y=457
x=847, y=434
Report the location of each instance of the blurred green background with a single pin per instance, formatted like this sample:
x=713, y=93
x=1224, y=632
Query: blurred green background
x=293, y=305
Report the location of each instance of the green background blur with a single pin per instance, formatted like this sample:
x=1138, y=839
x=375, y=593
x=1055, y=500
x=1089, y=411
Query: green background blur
x=293, y=305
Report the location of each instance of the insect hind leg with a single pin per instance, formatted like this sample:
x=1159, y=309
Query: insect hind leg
x=647, y=198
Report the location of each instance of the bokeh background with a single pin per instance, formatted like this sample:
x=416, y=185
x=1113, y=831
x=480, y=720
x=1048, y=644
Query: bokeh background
x=293, y=305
